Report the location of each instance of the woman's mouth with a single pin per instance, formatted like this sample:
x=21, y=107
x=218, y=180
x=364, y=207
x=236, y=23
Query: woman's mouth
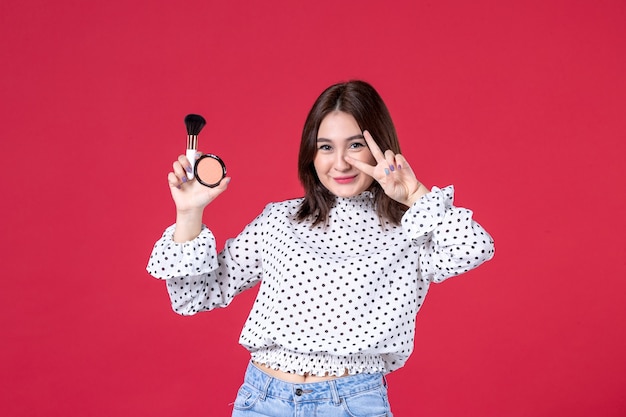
x=345, y=180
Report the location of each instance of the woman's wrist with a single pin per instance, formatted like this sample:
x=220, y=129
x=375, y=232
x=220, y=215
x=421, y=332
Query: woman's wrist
x=188, y=225
x=419, y=193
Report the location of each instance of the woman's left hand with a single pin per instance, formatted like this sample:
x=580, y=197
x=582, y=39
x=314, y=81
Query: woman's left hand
x=392, y=172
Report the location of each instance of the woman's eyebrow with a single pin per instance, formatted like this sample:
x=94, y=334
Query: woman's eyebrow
x=359, y=136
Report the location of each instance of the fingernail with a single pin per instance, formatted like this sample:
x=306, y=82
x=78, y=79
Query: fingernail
x=189, y=169
x=386, y=171
x=184, y=180
x=391, y=167
x=399, y=166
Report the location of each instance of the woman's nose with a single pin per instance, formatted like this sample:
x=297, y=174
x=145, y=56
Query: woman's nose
x=340, y=163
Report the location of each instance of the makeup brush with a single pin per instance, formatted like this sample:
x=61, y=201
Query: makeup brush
x=194, y=124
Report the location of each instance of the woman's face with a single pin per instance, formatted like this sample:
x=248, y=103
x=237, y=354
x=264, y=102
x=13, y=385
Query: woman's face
x=338, y=136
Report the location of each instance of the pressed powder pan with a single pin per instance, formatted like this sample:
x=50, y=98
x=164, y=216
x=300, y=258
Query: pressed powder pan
x=209, y=170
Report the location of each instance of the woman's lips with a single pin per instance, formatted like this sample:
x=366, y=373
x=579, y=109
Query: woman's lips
x=345, y=180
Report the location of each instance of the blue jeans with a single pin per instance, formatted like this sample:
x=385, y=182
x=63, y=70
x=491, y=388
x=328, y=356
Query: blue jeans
x=361, y=395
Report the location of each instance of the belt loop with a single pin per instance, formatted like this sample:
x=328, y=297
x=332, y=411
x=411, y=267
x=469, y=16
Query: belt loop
x=334, y=392
x=384, y=380
x=266, y=387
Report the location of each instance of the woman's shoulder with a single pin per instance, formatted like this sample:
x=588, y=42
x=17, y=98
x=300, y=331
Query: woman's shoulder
x=288, y=207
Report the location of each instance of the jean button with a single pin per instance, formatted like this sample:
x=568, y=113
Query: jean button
x=298, y=391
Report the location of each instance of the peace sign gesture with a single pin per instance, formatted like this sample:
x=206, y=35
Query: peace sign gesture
x=392, y=172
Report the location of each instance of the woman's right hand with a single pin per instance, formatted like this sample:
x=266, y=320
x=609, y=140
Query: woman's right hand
x=190, y=198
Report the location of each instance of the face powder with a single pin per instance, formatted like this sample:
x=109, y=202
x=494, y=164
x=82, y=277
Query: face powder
x=209, y=170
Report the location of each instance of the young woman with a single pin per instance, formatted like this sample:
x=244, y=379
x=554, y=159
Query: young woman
x=343, y=270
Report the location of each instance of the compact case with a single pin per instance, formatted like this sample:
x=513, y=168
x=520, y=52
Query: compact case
x=209, y=170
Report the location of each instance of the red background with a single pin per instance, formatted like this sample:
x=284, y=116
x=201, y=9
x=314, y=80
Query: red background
x=521, y=105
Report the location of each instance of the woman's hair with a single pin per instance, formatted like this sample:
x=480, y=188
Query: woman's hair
x=363, y=102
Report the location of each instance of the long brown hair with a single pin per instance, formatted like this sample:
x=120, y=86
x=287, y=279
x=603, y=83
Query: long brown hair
x=363, y=102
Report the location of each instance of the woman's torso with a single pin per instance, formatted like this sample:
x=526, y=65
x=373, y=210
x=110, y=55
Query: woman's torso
x=295, y=378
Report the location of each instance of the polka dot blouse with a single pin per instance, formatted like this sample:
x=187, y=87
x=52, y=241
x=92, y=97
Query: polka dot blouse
x=332, y=297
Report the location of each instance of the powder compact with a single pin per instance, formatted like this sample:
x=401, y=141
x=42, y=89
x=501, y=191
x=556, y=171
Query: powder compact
x=209, y=170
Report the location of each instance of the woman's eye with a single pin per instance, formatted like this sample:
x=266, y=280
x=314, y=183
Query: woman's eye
x=324, y=147
x=355, y=145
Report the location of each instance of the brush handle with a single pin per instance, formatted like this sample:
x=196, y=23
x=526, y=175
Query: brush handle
x=191, y=157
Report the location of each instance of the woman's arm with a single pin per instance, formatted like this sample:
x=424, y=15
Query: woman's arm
x=200, y=279
x=451, y=242
x=190, y=198
x=186, y=255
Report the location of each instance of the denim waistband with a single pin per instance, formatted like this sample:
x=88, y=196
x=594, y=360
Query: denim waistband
x=333, y=389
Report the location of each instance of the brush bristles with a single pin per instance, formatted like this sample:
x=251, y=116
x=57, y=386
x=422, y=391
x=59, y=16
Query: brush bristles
x=194, y=123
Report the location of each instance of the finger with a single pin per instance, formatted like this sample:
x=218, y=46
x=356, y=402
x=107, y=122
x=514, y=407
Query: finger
x=220, y=188
x=223, y=185
x=403, y=164
x=179, y=168
x=361, y=166
x=390, y=159
x=179, y=171
x=374, y=149
x=174, y=181
x=182, y=159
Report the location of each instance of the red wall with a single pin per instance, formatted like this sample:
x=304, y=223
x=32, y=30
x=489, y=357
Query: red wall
x=521, y=105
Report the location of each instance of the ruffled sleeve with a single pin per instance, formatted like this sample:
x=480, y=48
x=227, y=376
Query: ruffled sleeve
x=450, y=241
x=198, y=278
x=170, y=259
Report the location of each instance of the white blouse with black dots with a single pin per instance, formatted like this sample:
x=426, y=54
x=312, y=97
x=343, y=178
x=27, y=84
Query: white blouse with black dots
x=335, y=297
